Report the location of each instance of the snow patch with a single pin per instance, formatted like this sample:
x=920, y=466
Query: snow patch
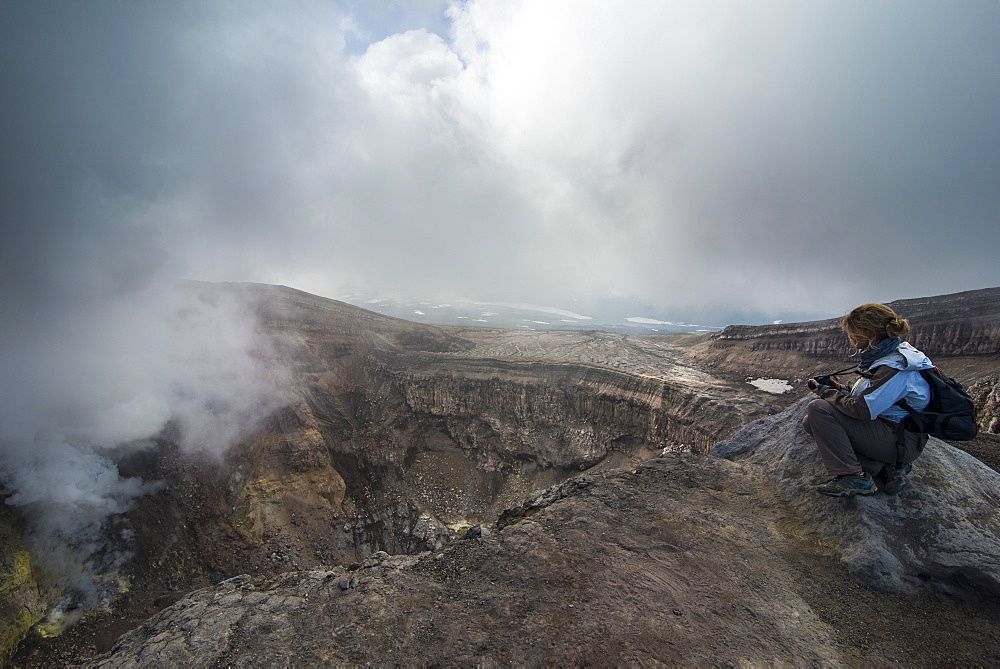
x=773, y=386
x=534, y=307
x=640, y=320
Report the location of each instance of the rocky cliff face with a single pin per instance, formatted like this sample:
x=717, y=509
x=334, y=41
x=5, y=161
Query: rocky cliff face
x=960, y=332
x=986, y=395
x=961, y=324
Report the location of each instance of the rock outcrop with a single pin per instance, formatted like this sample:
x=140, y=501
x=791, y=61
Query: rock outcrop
x=941, y=532
x=661, y=566
x=687, y=559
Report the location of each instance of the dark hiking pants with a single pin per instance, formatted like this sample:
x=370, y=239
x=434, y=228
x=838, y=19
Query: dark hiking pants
x=848, y=445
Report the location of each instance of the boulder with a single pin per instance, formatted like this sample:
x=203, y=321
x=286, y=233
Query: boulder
x=942, y=532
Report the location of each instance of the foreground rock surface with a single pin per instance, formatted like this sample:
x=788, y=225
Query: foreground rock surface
x=686, y=560
x=941, y=532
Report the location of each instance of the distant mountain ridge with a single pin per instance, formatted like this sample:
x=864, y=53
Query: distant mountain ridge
x=624, y=318
x=966, y=323
x=611, y=314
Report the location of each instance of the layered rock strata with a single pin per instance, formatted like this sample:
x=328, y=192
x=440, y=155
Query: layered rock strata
x=986, y=395
x=960, y=324
x=399, y=437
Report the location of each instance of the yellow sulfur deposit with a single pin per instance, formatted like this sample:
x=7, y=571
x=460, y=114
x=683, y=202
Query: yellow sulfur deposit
x=21, y=604
x=19, y=574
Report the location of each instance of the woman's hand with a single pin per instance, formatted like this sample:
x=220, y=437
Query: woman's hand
x=817, y=387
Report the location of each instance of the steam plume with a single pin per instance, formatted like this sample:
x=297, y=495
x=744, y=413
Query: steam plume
x=203, y=366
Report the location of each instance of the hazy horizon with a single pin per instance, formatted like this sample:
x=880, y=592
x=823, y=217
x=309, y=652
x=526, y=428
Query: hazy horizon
x=601, y=315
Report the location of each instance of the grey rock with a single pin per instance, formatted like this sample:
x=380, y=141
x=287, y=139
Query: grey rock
x=941, y=532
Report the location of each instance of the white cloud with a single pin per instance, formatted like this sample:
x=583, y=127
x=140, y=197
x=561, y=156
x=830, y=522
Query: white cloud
x=552, y=151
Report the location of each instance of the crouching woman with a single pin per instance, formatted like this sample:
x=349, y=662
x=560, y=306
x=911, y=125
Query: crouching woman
x=857, y=429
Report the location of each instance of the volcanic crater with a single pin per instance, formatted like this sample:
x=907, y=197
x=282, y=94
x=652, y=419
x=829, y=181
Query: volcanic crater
x=398, y=438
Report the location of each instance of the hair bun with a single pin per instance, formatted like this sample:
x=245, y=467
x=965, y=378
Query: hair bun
x=897, y=327
x=875, y=319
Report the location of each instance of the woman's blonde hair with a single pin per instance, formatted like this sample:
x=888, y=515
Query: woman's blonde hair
x=876, y=318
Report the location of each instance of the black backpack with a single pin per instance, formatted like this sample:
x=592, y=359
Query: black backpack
x=950, y=413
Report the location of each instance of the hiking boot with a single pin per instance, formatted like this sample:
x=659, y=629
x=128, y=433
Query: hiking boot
x=895, y=478
x=848, y=485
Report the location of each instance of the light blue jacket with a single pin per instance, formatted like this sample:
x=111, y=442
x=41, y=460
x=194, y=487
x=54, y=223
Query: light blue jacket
x=905, y=384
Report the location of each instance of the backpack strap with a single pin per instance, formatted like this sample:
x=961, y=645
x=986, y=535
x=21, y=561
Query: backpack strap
x=914, y=416
x=900, y=443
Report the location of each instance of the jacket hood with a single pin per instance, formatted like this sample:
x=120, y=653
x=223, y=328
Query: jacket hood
x=905, y=358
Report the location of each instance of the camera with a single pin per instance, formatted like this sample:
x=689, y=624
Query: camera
x=830, y=379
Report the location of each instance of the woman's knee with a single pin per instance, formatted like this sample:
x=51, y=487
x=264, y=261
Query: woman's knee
x=811, y=411
x=818, y=407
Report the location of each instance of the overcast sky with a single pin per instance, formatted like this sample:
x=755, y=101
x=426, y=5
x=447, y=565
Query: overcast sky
x=768, y=154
